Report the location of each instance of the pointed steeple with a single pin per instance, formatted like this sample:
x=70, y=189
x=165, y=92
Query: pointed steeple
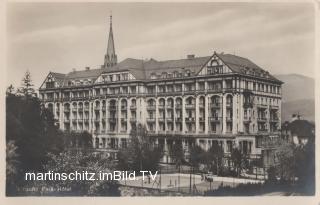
x=110, y=58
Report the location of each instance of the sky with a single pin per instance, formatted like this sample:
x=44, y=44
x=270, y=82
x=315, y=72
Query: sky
x=59, y=37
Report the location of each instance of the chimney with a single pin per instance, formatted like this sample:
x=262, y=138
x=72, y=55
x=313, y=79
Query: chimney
x=191, y=56
x=87, y=68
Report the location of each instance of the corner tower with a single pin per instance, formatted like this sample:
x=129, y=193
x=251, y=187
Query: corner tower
x=110, y=59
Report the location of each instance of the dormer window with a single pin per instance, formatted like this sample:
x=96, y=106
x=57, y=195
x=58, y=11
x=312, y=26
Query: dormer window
x=188, y=73
x=164, y=75
x=153, y=76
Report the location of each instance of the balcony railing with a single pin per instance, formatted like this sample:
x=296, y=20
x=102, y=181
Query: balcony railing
x=66, y=120
x=190, y=119
x=112, y=107
x=123, y=107
x=229, y=118
x=123, y=119
x=201, y=119
x=161, y=119
x=86, y=109
x=133, y=119
x=170, y=119
x=112, y=120
x=178, y=106
x=74, y=109
x=229, y=105
x=169, y=106
x=215, y=119
x=133, y=107
x=66, y=109
x=262, y=119
x=151, y=107
x=215, y=105
x=190, y=106
x=97, y=108
x=178, y=119
x=247, y=119
x=151, y=119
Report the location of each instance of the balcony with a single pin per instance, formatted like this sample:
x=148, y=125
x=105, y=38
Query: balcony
x=274, y=119
x=190, y=106
x=123, y=119
x=262, y=119
x=86, y=109
x=66, y=120
x=97, y=120
x=161, y=107
x=201, y=119
x=247, y=104
x=274, y=107
x=74, y=121
x=112, y=107
x=178, y=119
x=80, y=120
x=151, y=107
x=151, y=119
x=66, y=109
x=123, y=107
x=178, y=106
x=133, y=119
x=229, y=118
x=133, y=107
x=215, y=119
x=80, y=109
x=86, y=120
x=215, y=105
x=112, y=120
x=97, y=108
x=229, y=105
x=201, y=105
x=169, y=106
x=170, y=119
x=74, y=109
x=161, y=119
x=103, y=108
x=190, y=119
x=247, y=119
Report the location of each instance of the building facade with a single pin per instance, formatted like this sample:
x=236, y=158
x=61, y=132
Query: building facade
x=220, y=98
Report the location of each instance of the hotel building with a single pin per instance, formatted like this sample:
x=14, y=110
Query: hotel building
x=219, y=98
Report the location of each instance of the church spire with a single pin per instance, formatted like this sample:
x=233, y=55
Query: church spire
x=110, y=58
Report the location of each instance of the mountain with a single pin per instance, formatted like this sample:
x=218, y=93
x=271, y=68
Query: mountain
x=297, y=96
x=296, y=87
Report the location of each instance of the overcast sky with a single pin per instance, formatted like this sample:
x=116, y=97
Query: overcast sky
x=57, y=37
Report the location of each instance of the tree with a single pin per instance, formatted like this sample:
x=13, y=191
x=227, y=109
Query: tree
x=31, y=127
x=141, y=153
x=239, y=159
x=11, y=167
x=215, y=158
x=69, y=162
x=27, y=89
x=286, y=161
x=177, y=155
x=197, y=156
x=10, y=90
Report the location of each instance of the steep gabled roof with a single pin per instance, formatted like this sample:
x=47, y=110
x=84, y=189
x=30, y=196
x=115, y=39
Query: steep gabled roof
x=142, y=70
x=244, y=66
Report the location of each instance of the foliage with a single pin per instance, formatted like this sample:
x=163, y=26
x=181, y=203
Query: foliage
x=27, y=89
x=141, y=153
x=177, y=154
x=240, y=160
x=214, y=156
x=69, y=161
